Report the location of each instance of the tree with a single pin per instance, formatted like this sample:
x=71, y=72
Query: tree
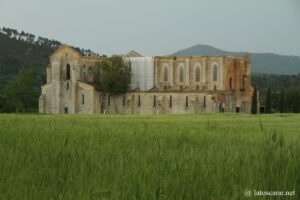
x=281, y=103
x=292, y=100
x=254, y=102
x=19, y=93
x=115, y=76
x=2, y=104
x=269, y=101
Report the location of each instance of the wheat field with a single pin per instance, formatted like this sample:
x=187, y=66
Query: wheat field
x=199, y=156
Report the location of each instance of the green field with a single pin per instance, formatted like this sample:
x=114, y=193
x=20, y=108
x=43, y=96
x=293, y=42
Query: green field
x=207, y=156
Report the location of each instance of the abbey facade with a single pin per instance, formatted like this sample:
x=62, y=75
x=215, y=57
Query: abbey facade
x=158, y=85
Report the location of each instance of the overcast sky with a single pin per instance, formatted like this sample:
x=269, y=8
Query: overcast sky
x=159, y=27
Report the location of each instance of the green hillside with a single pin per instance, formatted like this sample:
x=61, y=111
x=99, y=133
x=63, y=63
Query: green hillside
x=267, y=63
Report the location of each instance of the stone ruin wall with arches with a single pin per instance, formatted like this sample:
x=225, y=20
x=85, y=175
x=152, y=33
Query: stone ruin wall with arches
x=159, y=85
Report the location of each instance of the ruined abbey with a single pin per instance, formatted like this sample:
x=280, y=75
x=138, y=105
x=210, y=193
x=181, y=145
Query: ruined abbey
x=159, y=85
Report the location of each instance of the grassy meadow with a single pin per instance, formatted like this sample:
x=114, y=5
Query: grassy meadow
x=186, y=157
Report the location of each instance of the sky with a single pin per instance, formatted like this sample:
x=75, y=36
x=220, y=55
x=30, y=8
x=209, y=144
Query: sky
x=160, y=27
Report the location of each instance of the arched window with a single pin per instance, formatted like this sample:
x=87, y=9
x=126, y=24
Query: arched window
x=139, y=100
x=243, y=84
x=90, y=73
x=230, y=83
x=186, y=101
x=83, y=72
x=181, y=74
x=215, y=73
x=68, y=72
x=198, y=73
x=82, y=99
x=166, y=74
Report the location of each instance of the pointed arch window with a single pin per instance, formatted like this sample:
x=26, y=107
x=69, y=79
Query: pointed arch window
x=198, y=73
x=230, y=83
x=186, y=101
x=139, y=100
x=166, y=74
x=82, y=99
x=181, y=73
x=243, y=84
x=215, y=73
x=68, y=72
x=90, y=73
x=83, y=72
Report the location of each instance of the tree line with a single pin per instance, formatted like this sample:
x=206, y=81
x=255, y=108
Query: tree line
x=39, y=41
x=278, y=93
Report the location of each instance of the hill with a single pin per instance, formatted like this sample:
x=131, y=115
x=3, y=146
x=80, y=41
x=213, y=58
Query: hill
x=266, y=63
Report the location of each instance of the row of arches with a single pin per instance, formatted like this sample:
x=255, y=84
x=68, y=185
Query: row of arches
x=87, y=73
x=197, y=75
x=84, y=77
x=242, y=86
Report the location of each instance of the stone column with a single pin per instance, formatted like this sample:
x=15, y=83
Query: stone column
x=221, y=74
x=55, y=98
x=187, y=72
x=156, y=81
x=203, y=70
x=74, y=88
x=171, y=72
x=48, y=74
x=236, y=78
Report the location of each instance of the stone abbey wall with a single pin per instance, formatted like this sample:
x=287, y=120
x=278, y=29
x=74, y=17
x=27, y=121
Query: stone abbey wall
x=161, y=85
x=163, y=103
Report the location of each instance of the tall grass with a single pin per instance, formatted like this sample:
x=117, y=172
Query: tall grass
x=207, y=156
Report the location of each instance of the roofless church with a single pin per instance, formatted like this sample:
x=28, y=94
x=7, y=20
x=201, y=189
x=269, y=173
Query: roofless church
x=158, y=85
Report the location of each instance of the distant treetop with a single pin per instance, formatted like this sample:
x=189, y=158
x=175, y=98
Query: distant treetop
x=40, y=41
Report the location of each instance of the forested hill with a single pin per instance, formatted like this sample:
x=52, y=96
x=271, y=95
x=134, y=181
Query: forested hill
x=266, y=63
x=26, y=55
x=27, y=48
